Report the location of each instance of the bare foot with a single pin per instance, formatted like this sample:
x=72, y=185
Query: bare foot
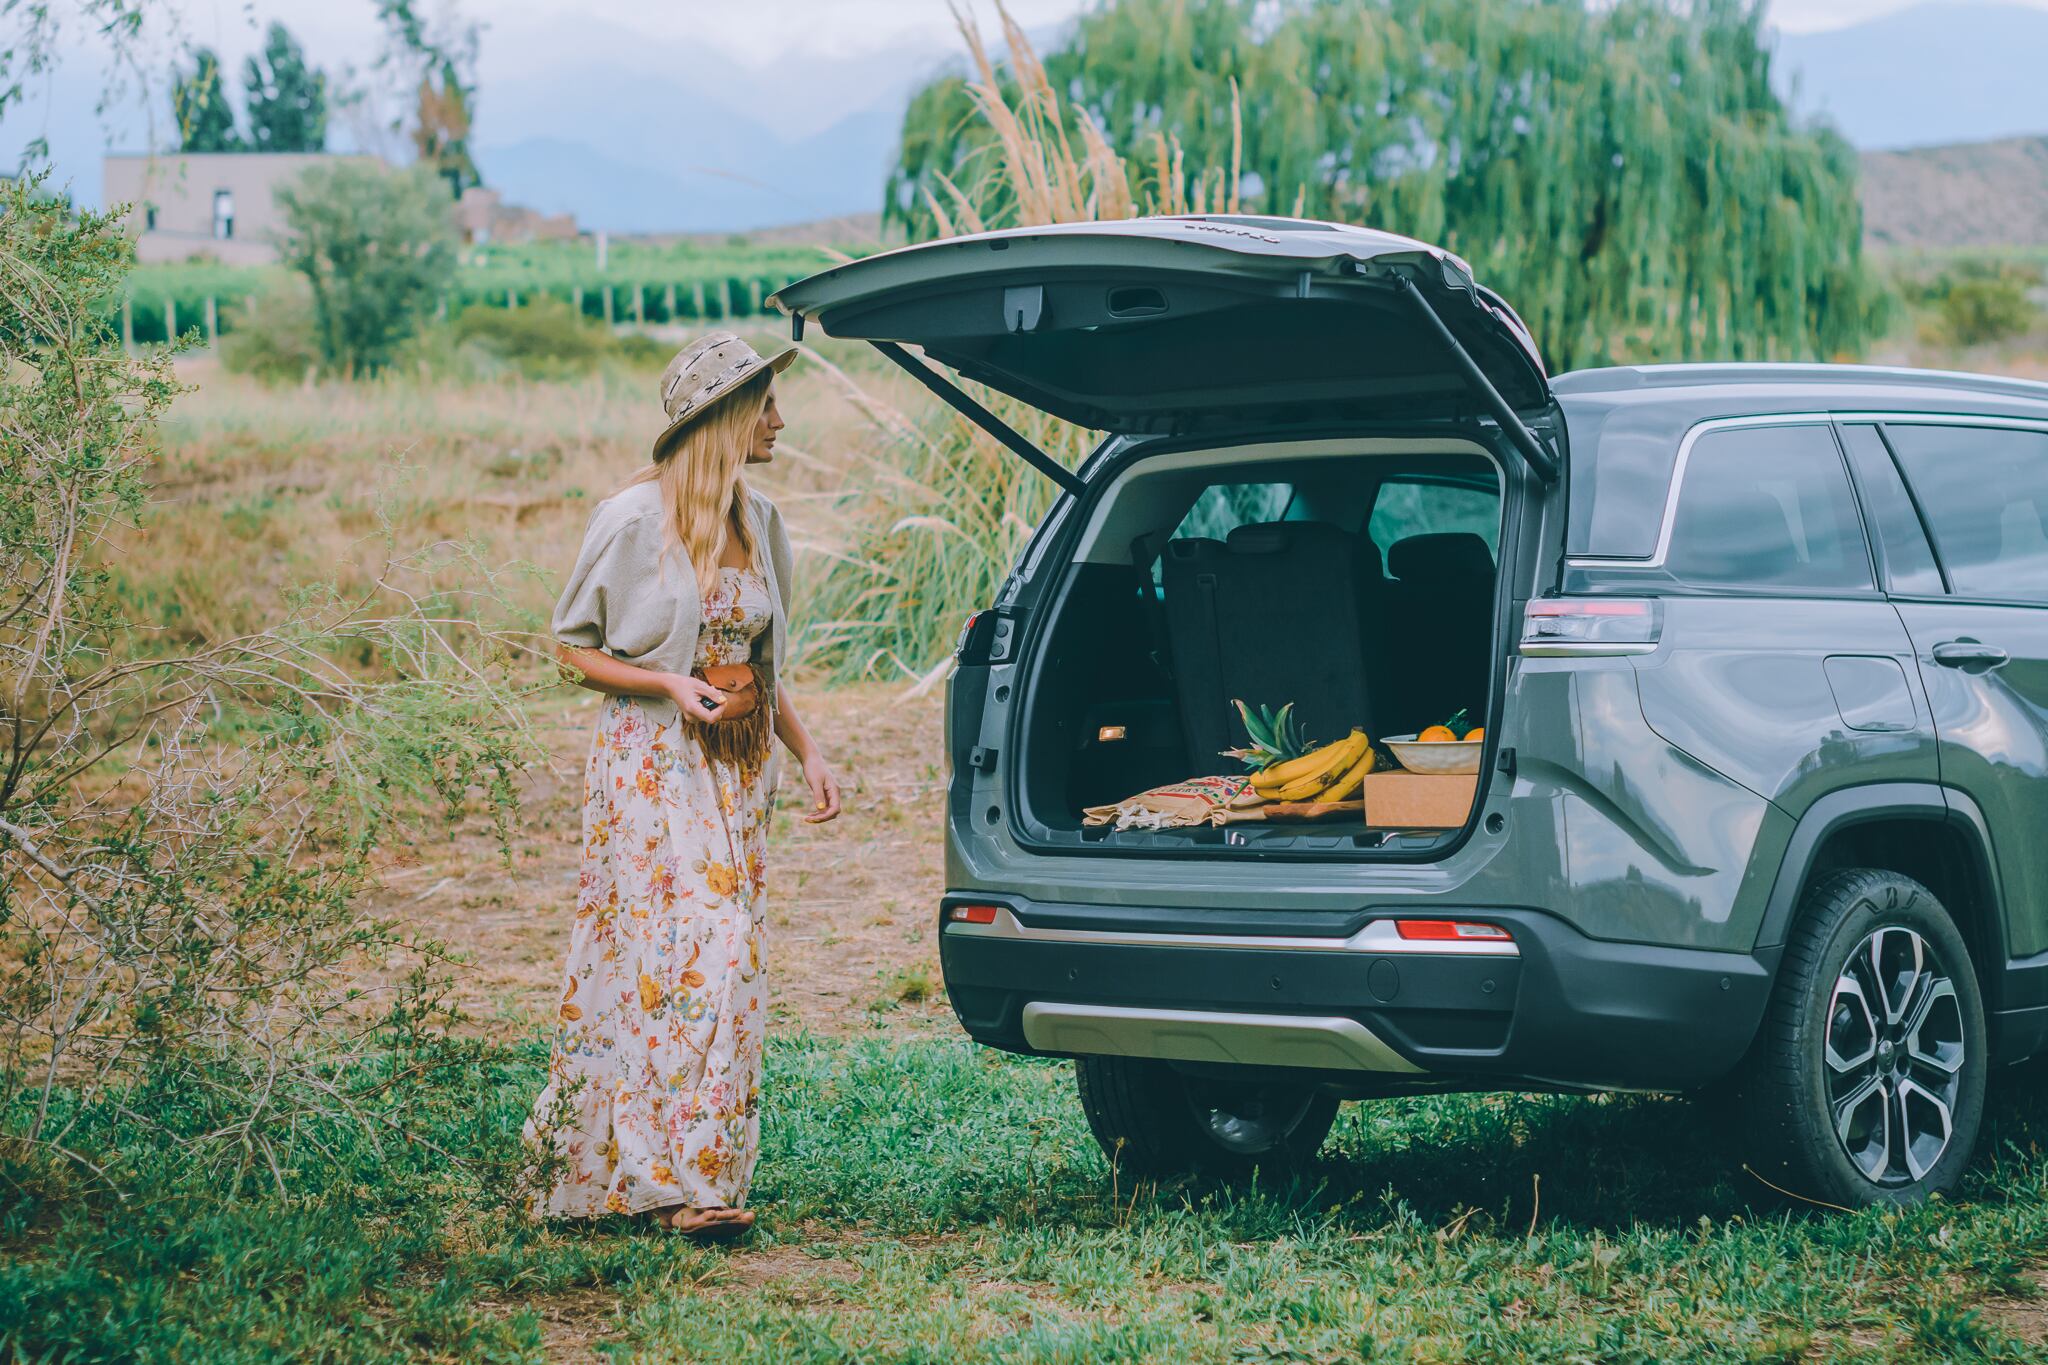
x=707, y=1223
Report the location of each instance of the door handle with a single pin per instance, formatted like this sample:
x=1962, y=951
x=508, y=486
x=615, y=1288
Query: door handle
x=1972, y=656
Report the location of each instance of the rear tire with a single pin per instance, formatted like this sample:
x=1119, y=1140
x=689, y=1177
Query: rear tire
x=1866, y=1084
x=1152, y=1121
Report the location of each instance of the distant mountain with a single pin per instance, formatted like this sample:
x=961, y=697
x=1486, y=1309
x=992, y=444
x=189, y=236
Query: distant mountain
x=1959, y=72
x=1978, y=194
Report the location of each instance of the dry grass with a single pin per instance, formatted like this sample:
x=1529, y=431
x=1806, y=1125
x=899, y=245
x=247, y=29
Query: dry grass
x=261, y=488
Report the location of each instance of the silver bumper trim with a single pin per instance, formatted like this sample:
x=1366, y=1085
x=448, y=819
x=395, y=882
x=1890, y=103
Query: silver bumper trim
x=1380, y=937
x=1313, y=1041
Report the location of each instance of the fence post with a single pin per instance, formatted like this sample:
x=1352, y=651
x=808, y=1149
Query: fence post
x=511, y=298
x=697, y=298
x=578, y=305
x=127, y=325
x=639, y=303
x=607, y=305
x=726, y=288
x=170, y=320
x=212, y=322
x=441, y=308
x=754, y=287
x=668, y=301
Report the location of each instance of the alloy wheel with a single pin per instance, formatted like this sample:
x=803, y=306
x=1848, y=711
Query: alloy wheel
x=1895, y=1055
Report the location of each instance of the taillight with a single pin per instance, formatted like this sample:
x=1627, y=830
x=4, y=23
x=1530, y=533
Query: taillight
x=1590, y=627
x=972, y=914
x=1450, y=930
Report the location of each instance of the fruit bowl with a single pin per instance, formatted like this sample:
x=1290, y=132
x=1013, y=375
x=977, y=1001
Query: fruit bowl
x=1436, y=756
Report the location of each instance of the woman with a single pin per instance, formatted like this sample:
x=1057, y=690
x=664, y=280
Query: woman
x=677, y=610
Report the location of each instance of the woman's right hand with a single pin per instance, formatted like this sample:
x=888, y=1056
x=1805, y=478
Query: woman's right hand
x=699, y=700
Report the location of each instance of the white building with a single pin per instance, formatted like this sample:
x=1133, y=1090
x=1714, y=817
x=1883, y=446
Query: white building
x=218, y=204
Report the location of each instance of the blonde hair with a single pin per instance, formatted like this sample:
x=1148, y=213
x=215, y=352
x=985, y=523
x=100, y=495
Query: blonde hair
x=704, y=491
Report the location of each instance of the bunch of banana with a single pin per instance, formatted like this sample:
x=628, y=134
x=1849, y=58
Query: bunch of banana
x=1334, y=772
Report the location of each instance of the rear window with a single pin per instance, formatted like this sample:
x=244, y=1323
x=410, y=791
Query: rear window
x=1223, y=507
x=1768, y=507
x=1421, y=507
x=1984, y=491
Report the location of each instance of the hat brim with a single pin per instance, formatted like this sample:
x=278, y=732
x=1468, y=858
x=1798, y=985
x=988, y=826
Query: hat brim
x=673, y=432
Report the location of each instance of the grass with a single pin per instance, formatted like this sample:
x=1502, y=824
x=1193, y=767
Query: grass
x=928, y=1201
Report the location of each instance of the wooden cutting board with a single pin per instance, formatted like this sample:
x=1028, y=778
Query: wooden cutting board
x=1300, y=810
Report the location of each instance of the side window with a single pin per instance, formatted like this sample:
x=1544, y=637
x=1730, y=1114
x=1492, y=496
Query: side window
x=1223, y=507
x=1985, y=492
x=1909, y=565
x=1768, y=507
x=1421, y=507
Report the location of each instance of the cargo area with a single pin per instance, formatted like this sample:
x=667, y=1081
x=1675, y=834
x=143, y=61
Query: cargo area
x=1352, y=584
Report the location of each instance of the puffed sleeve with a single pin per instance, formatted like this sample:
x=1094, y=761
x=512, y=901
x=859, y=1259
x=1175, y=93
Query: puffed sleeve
x=599, y=606
x=780, y=558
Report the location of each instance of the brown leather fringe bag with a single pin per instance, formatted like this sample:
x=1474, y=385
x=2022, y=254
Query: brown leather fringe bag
x=743, y=736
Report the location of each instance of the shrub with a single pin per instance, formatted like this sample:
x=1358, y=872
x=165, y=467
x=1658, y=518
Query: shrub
x=1976, y=303
x=543, y=339
x=186, y=822
x=377, y=247
x=273, y=336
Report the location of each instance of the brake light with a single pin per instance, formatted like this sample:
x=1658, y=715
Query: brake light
x=1590, y=627
x=972, y=914
x=1449, y=930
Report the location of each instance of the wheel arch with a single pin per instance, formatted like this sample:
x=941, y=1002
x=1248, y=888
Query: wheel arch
x=1933, y=834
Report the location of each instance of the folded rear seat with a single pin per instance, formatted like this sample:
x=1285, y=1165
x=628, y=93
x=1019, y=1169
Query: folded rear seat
x=1271, y=615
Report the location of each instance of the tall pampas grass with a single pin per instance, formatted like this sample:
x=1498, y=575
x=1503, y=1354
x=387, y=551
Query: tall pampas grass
x=928, y=532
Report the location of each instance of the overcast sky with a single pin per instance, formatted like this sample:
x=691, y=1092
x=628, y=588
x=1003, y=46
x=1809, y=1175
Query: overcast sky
x=759, y=32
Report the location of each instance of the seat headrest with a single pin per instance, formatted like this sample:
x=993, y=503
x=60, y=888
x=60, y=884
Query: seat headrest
x=1444, y=555
x=1273, y=537
x=1193, y=547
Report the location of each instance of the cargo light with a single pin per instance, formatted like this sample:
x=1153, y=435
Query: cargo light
x=972, y=914
x=1590, y=627
x=1448, y=930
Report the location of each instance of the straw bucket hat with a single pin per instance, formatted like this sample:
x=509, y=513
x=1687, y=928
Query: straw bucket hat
x=705, y=371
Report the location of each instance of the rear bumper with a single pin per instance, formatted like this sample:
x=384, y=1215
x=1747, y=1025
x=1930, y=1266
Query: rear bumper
x=1348, y=998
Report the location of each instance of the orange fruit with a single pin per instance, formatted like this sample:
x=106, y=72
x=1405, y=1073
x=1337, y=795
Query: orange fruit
x=1437, y=734
x=1475, y=733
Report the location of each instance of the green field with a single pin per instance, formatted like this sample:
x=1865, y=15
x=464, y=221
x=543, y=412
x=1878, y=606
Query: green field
x=686, y=281
x=925, y=1201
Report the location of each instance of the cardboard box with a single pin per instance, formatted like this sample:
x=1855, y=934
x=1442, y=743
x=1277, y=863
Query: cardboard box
x=1404, y=800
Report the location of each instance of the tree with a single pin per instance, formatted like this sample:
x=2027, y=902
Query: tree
x=445, y=93
x=1625, y=174
x=287, y=101
x=199, y=102
x=377, y=246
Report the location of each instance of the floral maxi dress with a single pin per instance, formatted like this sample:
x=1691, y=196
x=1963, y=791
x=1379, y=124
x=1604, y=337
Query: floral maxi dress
x=653, y=1088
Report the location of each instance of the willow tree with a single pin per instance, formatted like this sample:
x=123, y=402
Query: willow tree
x=1625, y=174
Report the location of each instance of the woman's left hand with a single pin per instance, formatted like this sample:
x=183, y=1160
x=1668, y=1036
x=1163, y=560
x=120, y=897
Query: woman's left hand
x=824, y=790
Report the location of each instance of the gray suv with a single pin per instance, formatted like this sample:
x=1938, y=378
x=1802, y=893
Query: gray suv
x=1759, y=654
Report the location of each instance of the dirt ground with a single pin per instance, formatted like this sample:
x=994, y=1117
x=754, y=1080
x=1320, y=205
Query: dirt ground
x=852, y=903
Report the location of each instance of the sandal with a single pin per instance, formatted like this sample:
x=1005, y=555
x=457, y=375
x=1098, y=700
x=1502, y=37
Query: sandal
x=716, y=1224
